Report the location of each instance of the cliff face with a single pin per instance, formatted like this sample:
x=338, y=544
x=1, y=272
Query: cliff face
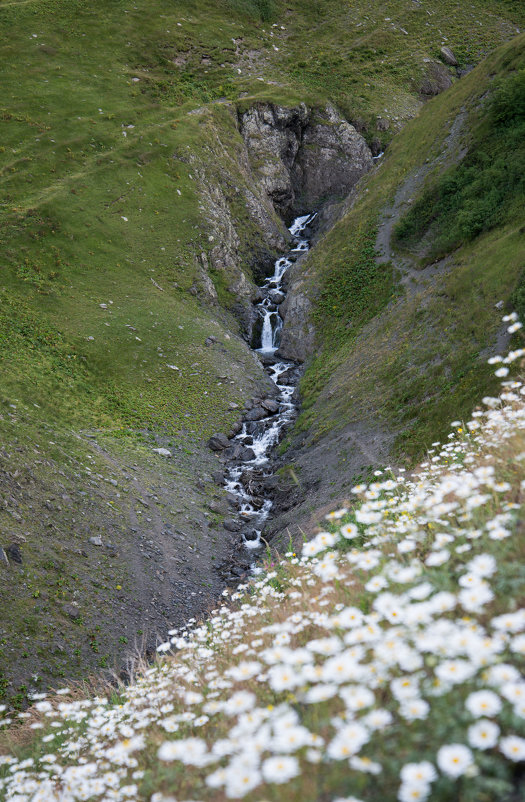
x=276, y=163
x=303, y=157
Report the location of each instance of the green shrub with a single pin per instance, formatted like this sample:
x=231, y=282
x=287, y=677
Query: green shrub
x=485, y=189
x=264, y=9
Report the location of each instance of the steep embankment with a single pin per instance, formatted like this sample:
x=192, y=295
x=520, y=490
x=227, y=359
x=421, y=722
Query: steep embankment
x=406, y=290
x=134, y=216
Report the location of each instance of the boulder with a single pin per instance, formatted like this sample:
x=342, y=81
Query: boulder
x=235, y=429
x=448, y=56
x=239, y=453
x=276, y=297
x=218, y=442
x=436, y=80
x=271, y=405
x=164, y=452
x=71, y=611
x=13, y=552
x=232, y=525
x=257, y=413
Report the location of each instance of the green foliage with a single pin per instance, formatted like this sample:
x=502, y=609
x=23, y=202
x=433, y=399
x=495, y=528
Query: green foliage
x=264, y=10
x=518, y=298
x=420, y=362
x=482, y=191
x=356, y=287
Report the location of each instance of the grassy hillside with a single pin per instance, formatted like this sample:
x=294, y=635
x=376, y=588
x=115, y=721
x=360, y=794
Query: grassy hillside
x=406, y=284
x=111, y=117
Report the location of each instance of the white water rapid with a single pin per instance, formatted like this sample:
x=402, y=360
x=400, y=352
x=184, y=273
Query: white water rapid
x=262, y=436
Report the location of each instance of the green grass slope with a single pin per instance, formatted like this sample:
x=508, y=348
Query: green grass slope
x=457, y=250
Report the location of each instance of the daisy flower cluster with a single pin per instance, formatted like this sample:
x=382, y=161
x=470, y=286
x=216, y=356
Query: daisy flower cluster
x=384, y=662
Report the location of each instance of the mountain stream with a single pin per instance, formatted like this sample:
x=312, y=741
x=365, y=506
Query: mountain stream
x=261, y=436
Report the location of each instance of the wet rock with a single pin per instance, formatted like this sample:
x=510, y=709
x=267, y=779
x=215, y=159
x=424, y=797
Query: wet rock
x=271, y=405
x=13, y=552
x=247, y=455
x=258, y=413
x=448, y=56
x=276, y=297
x=239, y=453
x=218, y=442
x=218, y=477
x=251, y=536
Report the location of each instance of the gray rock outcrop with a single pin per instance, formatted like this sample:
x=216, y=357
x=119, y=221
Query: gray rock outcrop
x=298, y=333
x=303, y=156
x=289, y=160
x=436, y=80
x=332, y=158
x=448, y=56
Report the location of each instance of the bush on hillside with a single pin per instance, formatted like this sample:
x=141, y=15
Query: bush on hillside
x=486, y=189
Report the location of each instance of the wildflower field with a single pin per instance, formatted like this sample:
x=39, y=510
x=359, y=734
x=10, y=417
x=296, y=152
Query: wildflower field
x=383, y=663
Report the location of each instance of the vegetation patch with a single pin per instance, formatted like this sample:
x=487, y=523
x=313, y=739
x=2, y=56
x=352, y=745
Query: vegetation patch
x=486, y=189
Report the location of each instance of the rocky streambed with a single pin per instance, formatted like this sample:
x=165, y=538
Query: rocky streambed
x=248, y=449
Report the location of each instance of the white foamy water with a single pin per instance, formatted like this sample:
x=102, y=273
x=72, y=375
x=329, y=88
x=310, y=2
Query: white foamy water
x=264, y=435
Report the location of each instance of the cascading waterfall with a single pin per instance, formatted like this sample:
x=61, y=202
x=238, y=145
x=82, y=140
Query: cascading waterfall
x=264, y=435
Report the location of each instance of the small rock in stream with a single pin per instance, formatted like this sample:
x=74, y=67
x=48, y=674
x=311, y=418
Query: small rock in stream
x=271, y=405
x=258, y=413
